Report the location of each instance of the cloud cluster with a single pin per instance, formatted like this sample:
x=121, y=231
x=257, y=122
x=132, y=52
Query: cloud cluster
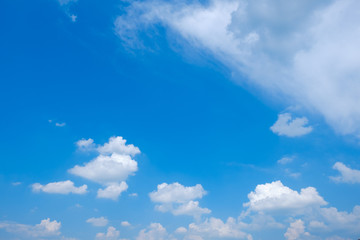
x=308, y=58
x=63, y=187
x=111, y=167
x=178, y=199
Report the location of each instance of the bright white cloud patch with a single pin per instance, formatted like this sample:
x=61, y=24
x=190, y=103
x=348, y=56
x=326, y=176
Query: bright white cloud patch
x=46, y=228
x=347, y=175
x=64, y=187
x=178, y=199
x=275, y=196
x=98, y=222
x=308, y=58
x=112, y=191
x=286, y=126
x=111, y=167
x=111, y=234
x=296, y=230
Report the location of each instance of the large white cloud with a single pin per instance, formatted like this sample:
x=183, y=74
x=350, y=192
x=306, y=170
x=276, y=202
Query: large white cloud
x=63, y=187
x=112, y=191
x=286, y=126
x=178, y=199
x=275, y=196
x=305, y=52
x=347, y=175
x=46, y=228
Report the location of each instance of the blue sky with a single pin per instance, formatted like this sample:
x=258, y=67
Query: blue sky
x=164, y=120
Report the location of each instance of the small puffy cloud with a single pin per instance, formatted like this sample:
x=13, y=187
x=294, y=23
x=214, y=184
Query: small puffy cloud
x=276, y=196
x=181, y=230
x=107, y=169
x=86, y=144
x=125, y=224
x=112, y=191
x=98, y=222
x=154, y=232
x=296, y=230
x=216, y=228
x=347, y=175
x=63, y=124
x=118, y=145
x=46, y=228
x=111, y=234
x=287, y=126
x=285, y=160
x=64, y=187
x=178, y=199
x=73, y=17
x=175, y=192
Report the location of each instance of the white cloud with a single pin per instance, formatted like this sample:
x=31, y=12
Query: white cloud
x=86, y=145
x=64, y=2
x=125, y=224
x=216, y=228
x=296, y=230
x=308, y=58
x=154, y=232
x=16, y=183
x=178, y=199
x=111, y=234
x=98, y=222
x=64, y=187
x=60, y=124
x=118, y=145
x=347, y=175
x=107, y=169
x=341, y=220
x=73, y=17
x=175, y=192
x=286, y=126
x=276, y=196
x=112, y=191
x=46, y=228
x=181, y=230
x=285, y=160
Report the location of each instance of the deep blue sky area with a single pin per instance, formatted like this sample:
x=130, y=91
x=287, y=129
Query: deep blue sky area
x=196, y=116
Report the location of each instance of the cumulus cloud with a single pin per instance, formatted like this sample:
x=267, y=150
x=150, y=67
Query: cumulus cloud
x=154, y=232
x=112, y=191
x=296, y=230
x=178, y=199
x=64, y=187
x=46, y=228
x=289, y=127
x=308, y=58
x=275, y=196
x=111, y=234
x=347, y=175
x=111, y=167
x=125, y=224
x=98, y=222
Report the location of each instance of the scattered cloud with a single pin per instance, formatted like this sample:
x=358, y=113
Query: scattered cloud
x=296, y=230
x=46, y=228
x=86, y=145
x=289, y=127
x=111, y=234
x=63, y=124
x=98, y=222
x=16, y=183
x=64, y=2
x=275, y=196
x=64, y=187
x=178, y=199
x=347, y=175
x=154, y=232
x=181, y=230
x=285, y=160
x=125, y=224
x=133, y=194
x=112, y=191
x=73, y=17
